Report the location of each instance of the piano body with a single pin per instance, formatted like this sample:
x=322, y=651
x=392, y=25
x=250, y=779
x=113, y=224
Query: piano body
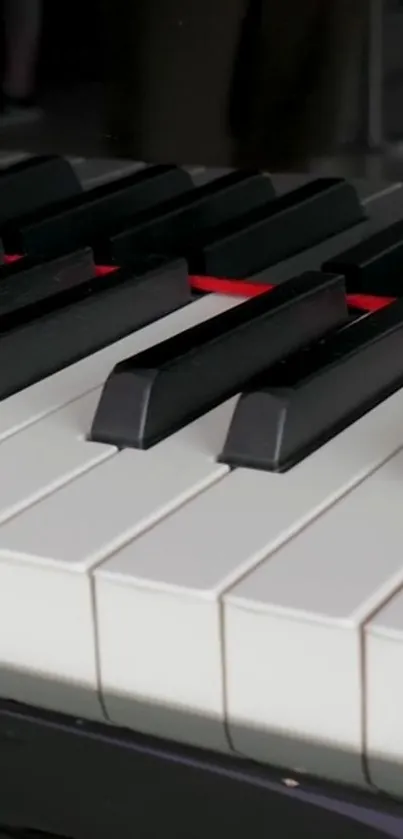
x=201, y=437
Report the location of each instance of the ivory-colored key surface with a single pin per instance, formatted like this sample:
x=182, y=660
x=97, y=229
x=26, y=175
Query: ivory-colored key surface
x=158, y=599
x=47, y=552
x=296, y=693
x=49, y=453
x=383, y=673
x=47, y=643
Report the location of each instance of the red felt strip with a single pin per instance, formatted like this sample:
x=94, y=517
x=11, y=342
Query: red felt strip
x=103, y=270
x=243, y=288
x=369, y=302
x=10, y=258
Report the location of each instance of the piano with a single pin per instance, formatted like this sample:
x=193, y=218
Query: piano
x=201, y=436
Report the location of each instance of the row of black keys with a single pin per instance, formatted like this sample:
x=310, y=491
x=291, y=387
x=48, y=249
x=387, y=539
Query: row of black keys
x=54, y=310
x=234, y=226
x=306, y=371
x=231, y=227
x=55, y=307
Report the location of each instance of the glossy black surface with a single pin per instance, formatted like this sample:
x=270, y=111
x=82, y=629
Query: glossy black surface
x=49, y=333
x=375, y=266
x=274, y=232
x=156, y=392
x=86, y=218
x=28, y=282
x=311, y=397
x=197, y=213
x=233, y=227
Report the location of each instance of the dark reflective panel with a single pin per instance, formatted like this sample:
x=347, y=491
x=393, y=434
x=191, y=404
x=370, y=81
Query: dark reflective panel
x=216, y=82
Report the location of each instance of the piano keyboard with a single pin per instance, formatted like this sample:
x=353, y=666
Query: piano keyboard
x=200, y=519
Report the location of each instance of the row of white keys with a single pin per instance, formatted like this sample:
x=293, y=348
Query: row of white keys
x=43, y=446
x=49, y=539
x=159, y=598
x=45, y=454
x=82, y=500
x=47, y=642
x=295, y=661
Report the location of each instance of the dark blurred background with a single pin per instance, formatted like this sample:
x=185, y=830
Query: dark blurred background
x=71, y=26
x=70, y=69
x=69, y=78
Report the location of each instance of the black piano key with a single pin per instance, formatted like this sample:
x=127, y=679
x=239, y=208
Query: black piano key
x=151, y=395
x=292, y=223
x=220, y=200
x=46, y=336
x=34, y=183
x=375, y=265
x=75, y=223
x=298, y=405
x=26, y=282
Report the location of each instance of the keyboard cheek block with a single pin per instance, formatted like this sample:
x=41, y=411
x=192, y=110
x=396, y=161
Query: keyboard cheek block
x=153, y=394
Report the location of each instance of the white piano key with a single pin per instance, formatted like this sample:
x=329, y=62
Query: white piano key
x=384, y=686
x=47, y=454
x=158, y=599
x=47, y=641
x=74, y=381
x=293, y=633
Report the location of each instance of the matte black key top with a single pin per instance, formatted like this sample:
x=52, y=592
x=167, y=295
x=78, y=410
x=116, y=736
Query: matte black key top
x=374, y=266
x=292, y=223
x=168, y=229
x=149, y=396
x=299, y=404
x=24, y=283
x=78, y=222
x=34, y=183
x=44, y=337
